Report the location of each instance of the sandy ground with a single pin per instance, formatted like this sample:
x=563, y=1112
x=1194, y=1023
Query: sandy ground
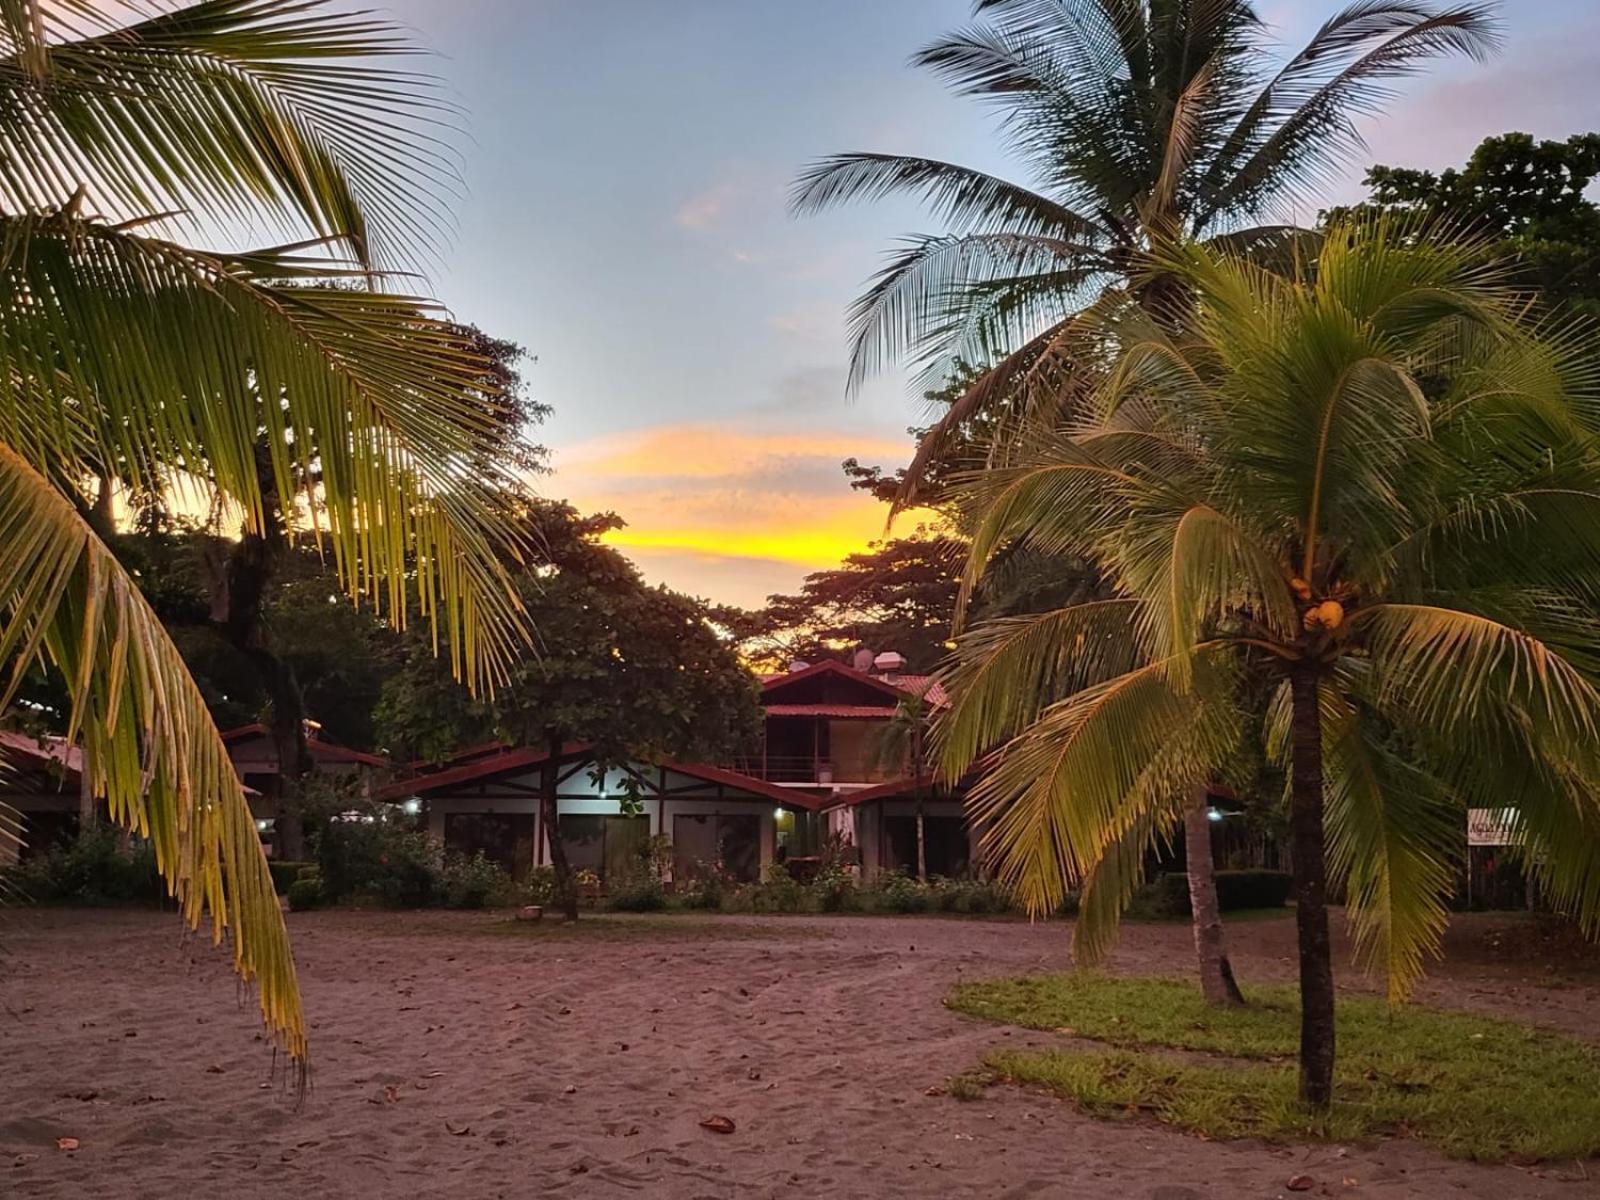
x=582, y=1066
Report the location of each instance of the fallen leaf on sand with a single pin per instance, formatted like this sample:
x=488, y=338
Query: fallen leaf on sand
x=433, y=1074
x=1301, y=1183
x=570, y=1089
x=66, y=1143
x=718, y=1124
x=935, y=1090
x=458, y=1128
x=391, y=1093
x=213, y=1069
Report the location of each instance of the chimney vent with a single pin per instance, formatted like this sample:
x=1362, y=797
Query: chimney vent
x=798, y=665
x=889, y=663
x=862, y=659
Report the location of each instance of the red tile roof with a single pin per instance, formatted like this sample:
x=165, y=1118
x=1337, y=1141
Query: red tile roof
x=897, y=686
x=316, y=747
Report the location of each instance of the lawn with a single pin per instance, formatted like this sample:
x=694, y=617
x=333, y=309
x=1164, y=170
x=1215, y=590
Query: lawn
x=1477, y=1087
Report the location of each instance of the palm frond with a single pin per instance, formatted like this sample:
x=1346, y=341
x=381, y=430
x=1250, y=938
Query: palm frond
x=235, y=108
x=165, y=359
x=150, y=746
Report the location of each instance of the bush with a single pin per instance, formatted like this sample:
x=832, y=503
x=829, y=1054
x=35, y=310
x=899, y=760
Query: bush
x=1164, y=898
x=897, y=892
x=540, y=888
x=305, y=894
x=777, y=893
x=1253, y=889
x=372, y=858
x=94, y=869
x=968, y=896
x=834, y=890
x=285, y=872
x=705, y=887
x=475, y=882
x=639, y=891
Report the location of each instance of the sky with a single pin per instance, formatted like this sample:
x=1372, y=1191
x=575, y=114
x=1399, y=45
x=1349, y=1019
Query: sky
x=623, y=216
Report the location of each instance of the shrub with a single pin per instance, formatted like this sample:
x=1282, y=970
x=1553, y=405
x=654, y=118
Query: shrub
x=834, y=890
x=93, y=869
x=305, y=894
x=777, y=893
x=968, y=896
x=540, y=888
x=897, y=892
x=475, y=882
x=1164, y=898
x=372, y=857
x=704, y=888
x=1253, y=889
x=285, y=872
x=638, y=891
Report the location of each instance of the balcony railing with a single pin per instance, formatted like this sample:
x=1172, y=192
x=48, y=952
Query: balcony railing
x=806, y=769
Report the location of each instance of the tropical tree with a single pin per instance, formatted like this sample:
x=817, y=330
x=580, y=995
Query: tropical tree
x=1373, y=485
x=629, y=671
x=130, y=355
x=1139, y=119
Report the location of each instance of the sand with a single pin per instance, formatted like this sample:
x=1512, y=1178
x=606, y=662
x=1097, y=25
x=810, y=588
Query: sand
x=454, y=1061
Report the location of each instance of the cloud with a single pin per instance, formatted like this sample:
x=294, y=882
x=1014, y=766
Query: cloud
x=743, y=511
x=706, y=209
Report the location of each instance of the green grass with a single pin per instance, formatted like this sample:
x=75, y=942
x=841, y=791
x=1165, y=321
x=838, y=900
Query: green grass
x=1476, y=1087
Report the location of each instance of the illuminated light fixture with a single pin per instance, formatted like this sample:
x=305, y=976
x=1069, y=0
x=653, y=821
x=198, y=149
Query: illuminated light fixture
x=778, y=813
x=412, y=806
x=262, y=825
x=1215, y=814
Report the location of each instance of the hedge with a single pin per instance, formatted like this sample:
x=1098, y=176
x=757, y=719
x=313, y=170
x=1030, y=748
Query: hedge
x=285, y=872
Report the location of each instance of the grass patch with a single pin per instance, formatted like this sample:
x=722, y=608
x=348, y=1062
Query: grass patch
x=1476, y=1087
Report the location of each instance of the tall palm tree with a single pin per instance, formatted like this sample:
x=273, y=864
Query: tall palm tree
x=1137, y=119
x=126, y=353
x=1375, y=487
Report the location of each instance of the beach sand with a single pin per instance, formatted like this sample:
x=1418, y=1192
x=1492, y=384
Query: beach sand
x=458, y=1055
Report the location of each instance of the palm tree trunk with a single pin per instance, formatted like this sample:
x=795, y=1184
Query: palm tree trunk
x=550, y=818
x=1216, y=974
x=916, y=787
x=1311, y=891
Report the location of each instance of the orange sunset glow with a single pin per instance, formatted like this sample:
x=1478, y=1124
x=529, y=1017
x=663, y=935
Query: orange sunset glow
x=734, y=513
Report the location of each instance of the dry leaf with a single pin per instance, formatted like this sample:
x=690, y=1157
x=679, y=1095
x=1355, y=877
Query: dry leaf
x=458, y=1128
x=1301, y=1183
x=66, y=1143
x=718, y=1124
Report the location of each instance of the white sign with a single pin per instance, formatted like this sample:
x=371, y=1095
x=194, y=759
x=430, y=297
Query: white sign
x=1491, y=826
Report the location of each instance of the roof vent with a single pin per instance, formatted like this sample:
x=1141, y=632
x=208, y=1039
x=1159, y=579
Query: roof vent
x=799, y=665
x=889, y=663
x=861, y=660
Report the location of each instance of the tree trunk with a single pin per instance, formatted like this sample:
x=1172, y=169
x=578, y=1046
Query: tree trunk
x=88, y=804
x=549, y=817
x=916, y=787
x=1311, y=892
x=1216, y=974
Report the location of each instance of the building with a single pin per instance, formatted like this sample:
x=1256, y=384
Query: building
x=844, y=735
x=40, y=784
x=488, y=799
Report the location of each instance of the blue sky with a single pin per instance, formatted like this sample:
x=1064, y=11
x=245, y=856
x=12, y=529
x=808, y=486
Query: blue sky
x=624, y=218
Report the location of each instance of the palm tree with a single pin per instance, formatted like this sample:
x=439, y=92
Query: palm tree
x=901, y=744
x=1141, y=120
x=127, y=354
x=1138, y=119
x=1376, y=488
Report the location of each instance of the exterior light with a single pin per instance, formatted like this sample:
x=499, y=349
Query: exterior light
x=262, y=825
x=412, y=806
x=1215, y=814
x=778, y=813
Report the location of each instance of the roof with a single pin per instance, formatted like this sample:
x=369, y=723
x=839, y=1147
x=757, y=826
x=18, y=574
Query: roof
x=423, y=766
x=316, y=747
x=894, y=789
x=520, y=758
x=897, y=686
x=868, y=711
x=33, y=753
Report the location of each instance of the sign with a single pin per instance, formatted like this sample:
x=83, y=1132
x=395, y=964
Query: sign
x=1491, y=826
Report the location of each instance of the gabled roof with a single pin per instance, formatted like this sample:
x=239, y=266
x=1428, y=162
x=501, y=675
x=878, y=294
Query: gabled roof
x=902, y=686
x=893, y=790
x=316, y=747
x=30, y=753
x=514, y=759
